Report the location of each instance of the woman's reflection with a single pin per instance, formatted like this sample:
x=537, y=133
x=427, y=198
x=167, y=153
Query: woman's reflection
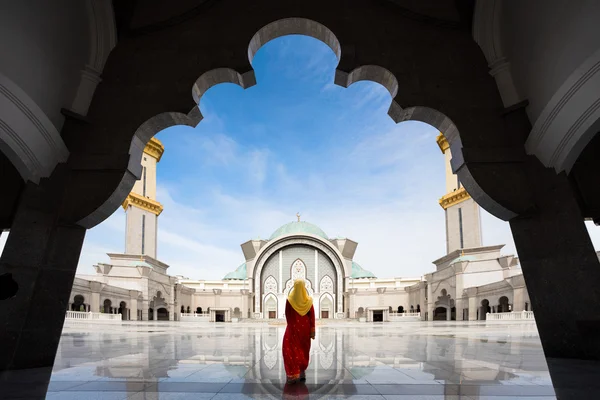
x=295, y=391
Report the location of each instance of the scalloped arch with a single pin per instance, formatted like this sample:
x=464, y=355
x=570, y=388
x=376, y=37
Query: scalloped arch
x=273, y=30
x=220, y=75
x=140, y=139
x=445, y=125
x=294, y=26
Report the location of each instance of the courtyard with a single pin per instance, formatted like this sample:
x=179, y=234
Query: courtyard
x=412, y=360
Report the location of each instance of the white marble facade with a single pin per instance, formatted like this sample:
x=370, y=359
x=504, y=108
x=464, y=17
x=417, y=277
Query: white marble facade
x=468, y=282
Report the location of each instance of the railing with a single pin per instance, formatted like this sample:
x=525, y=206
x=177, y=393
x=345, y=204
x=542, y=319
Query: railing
x=204, y=314
x=510, y=316
x=197, y=317
x=92, y=316
x=406, y=314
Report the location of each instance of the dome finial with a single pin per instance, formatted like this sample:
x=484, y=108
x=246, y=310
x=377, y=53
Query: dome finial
x=298, y=216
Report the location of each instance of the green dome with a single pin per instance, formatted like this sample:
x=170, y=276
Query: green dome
x=298, y=227
x=358, y=272
x=239, y=274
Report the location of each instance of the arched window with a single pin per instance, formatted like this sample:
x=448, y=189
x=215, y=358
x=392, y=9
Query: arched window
x=107, y=306
x=503, y=304
x=78, y=305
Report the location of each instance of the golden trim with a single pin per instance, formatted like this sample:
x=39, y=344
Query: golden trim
x=144, y=203
x=155, y=149
x=458, y=196
x=442, y=142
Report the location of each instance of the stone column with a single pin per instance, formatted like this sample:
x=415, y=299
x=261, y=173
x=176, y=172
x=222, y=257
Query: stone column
x=473, y=307
x=39, y=262
x=518, y=299
x=559, y=262
x=430, y=303
x=144, y=304
x=352, y=303
x=133, y=304
x=96, y=288
x=245, y=297
x=171, y=312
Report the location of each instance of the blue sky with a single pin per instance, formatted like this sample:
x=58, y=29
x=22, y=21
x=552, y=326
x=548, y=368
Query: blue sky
x=296, y=143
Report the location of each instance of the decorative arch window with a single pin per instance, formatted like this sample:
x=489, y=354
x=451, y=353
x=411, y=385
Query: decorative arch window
x=326, y=285
x=270, y=285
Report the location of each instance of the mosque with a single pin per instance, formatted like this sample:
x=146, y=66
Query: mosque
x=470, y=281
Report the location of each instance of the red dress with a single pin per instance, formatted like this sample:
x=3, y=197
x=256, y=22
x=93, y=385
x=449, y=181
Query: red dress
x=296, y=341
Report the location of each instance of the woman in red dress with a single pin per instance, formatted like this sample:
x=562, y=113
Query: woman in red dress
x=300, y=316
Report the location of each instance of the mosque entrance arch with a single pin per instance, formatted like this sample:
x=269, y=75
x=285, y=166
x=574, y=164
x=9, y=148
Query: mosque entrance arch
x=444, y=308
x=162, y=314
x=440, y=314
x=301, y=256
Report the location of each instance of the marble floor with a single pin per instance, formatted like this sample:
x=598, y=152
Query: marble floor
x=412, y=360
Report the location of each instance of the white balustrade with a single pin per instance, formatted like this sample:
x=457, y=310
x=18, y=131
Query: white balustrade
x=406, y=314
x=91, y=316
x=510, y=316
x=195, y=317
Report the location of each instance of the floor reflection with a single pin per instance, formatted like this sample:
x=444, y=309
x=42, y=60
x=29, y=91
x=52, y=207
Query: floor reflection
x=244, y=360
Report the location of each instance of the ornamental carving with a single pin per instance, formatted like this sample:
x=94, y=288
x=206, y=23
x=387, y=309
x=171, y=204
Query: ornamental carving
x=298, y=270
x=326, y=360
x=270, y=359
x=270, y=285
x=445, y=299
x=326, y=285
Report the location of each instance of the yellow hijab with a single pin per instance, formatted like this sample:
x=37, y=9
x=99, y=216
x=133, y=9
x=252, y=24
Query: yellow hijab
x=299, y=298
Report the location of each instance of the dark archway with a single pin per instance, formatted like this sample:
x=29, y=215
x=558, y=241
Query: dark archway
x=440, y=314
x=123, y=310
x=198, y=310
x=78, y=303
x=107, y=307
x=484, y=309
x=162, y=314
x=503, y=305
x=150, y=314
x=360, y=313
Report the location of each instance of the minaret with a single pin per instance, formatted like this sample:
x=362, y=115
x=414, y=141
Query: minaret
x=463, y=223
x=141, y=206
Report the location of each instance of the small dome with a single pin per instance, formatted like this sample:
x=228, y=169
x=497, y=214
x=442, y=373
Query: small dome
x=239, y=274
x=358, y=272
x=298, y=227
